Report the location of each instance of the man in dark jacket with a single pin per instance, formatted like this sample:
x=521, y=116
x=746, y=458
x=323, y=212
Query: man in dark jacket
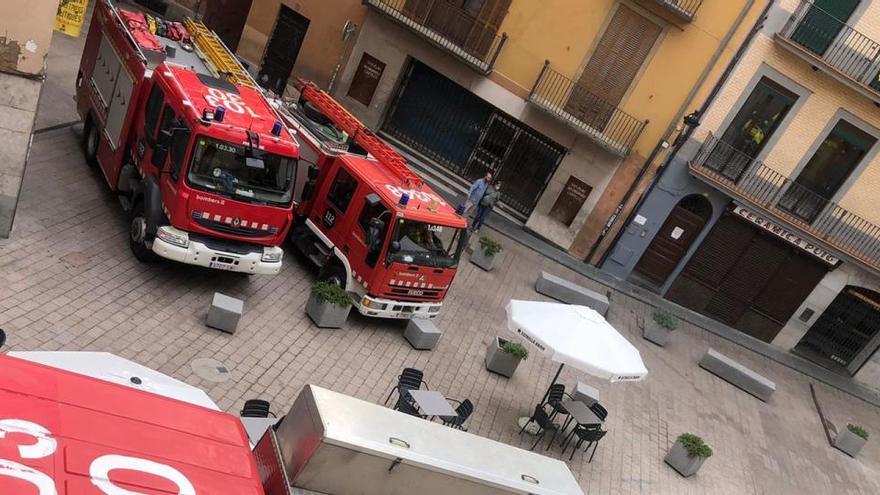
x=487, y=203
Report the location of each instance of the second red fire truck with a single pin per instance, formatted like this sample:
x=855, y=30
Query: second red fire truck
x=193, y=149
x=371, y=224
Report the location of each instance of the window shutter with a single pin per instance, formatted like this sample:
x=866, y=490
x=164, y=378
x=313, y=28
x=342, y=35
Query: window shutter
x=619, y=55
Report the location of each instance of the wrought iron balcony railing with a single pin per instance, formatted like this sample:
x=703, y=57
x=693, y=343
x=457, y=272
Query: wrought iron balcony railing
x=685, y=9
x=831, y=44
x=449, y=27
x=608, y=125
x=751, y=181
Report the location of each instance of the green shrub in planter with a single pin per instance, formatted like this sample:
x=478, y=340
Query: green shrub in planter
x=327, y=293
x=665, y=319
x=515, y=348
x=485, y=256
x=658, y=327
x=687, y=454
x=328, y=305
x=695, y=446
x=490, y=247
x=857, y=431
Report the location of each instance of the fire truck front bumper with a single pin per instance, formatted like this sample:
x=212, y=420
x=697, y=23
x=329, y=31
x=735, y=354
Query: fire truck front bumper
x=175, y=244
x=387, y=308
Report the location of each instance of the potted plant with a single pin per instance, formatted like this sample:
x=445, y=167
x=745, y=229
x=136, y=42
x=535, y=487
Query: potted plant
x=328, y=305
x=659, y=327
x=484, y=257
x=851, y=440
x=503, y=356
x=687, y=454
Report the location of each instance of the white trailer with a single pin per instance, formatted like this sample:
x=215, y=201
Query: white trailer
x=333, y=444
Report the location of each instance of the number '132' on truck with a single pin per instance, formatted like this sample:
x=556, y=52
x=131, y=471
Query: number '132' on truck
x=197, y=156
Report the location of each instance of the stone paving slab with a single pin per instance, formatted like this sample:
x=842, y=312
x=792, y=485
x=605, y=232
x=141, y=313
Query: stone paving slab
x=69, y=282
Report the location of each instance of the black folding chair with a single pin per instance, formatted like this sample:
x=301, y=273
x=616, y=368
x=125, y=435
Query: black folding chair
x=256, y=408
x=407, y=407
x=599, y=410
x=590, y=436
x=541, y=418
x=555, y=395
x=463, y=412
x=409, y=379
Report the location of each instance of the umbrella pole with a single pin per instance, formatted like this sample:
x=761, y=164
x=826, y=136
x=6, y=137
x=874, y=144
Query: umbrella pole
x=551, y=383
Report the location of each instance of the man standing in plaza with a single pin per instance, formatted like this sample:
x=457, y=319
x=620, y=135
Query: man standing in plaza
x=475, y=193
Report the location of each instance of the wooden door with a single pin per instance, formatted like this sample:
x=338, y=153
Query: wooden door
x=822, y=23
x=283, y=49
x=227, y=18
x=621, y=51
x=670, y=245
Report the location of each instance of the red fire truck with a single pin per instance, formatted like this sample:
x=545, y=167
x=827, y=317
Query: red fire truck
x=371, y=224
x=182, y=134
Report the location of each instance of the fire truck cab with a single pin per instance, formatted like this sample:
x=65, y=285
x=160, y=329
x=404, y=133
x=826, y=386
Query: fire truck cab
x=198, y=157
x=371, y=224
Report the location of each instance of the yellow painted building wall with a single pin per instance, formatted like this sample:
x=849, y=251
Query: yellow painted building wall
x=808, y=125
x=566, y=32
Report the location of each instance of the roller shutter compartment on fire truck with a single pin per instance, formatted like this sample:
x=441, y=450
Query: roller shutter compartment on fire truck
x=113, y=85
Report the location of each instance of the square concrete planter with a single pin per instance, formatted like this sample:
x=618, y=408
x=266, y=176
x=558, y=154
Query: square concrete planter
x=498, y=361
x=656, y=334
x=326, y=315
x=481, y=260
x=849, y=442
x=678, y=459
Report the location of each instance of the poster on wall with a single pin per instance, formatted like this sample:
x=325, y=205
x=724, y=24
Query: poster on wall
x=70, y=16
x=366, y=79
x=570, y=200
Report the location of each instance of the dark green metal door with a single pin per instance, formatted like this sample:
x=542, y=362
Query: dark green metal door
x=822, y=23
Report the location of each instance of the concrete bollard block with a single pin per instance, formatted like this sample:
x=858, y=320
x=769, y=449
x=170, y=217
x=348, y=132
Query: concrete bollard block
x=224, y=313
x=422, y=334
x=571, y=293
x=737, y=374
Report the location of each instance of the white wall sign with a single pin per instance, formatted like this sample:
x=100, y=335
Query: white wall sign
x=786, y=234
x=639, y=220
x=676, y=233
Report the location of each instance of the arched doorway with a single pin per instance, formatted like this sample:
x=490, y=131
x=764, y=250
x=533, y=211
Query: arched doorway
x=846, y=333
x=682, y=226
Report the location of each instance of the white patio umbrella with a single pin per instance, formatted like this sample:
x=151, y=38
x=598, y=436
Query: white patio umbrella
x=577, y=336
x=112, y=368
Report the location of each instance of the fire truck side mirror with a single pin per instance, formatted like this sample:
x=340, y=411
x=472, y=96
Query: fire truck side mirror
x=313, y=172
x=2, y=337
x=164, y=138
x=394, y=247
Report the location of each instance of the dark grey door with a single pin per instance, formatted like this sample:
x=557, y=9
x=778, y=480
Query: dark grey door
x=282, y=49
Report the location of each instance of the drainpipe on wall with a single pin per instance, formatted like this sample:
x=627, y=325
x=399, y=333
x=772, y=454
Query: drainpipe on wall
x=673, y=124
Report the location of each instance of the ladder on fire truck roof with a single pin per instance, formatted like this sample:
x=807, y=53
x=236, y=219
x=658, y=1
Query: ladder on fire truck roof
x=362, y=136
x=215, y=53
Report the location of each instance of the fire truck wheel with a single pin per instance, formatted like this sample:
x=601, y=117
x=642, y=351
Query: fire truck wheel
x=90, y=143
x=333, y=274
x=138, y=234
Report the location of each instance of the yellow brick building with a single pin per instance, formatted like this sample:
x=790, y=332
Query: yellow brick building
x=766, y=219
x=566, y=102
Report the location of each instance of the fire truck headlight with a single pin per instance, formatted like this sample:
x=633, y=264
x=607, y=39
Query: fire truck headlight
x=371, y=304
x=272, y=254
x=434, y=309
x=173, y=236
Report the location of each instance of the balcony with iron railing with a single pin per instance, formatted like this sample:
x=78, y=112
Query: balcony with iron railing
x=590, y=114
x=751, y=181
x=683, y=9
x=464, y=35
x=833, y=46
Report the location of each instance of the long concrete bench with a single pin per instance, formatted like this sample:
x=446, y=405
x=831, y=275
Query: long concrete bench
x=737, y=374
x=571, y=293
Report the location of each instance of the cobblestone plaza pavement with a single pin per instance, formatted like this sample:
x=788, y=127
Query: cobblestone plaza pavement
x=69, y=282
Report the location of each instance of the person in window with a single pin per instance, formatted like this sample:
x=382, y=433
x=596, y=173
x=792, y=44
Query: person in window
x=487, y=204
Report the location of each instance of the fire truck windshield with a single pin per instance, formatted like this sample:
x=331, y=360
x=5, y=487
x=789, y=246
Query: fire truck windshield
x=231, y=170
x=426, y=244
